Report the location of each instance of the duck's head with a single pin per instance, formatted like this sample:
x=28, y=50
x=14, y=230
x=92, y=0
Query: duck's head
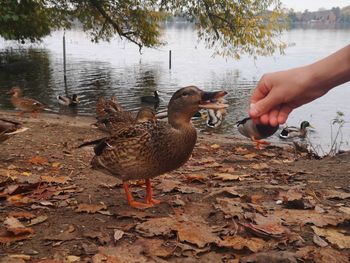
x=75, y=98
x=188, y=100
x=304, y=125
x=146, y=114
x=15, y=91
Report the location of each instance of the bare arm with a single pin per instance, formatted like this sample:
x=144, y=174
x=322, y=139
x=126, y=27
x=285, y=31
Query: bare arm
x=278, y=93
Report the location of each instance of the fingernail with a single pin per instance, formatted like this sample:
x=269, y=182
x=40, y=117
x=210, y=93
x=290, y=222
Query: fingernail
x=252, y=110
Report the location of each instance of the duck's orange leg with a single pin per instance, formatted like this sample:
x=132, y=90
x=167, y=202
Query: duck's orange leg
x=149, y=194
x=131, y=200
x=258, y=143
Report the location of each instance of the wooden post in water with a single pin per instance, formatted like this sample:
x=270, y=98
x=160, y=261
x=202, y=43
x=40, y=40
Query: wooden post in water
x=64, y=55
x=169, y=59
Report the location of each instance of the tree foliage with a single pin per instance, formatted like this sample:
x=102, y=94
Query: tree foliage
x=229, y=27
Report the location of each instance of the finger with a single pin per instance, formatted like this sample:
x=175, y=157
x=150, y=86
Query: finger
x=283, y=114
x=259, y=92
x=262, y=106
x=273, y=115
x=264, y=119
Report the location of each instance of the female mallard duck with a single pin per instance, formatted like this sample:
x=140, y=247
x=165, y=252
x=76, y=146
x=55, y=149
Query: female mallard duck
x=255, y=132
x=292, y=132
x=151, y=99
x=9, y=128
x=25, y=104
x=114, y=122
x=106, y=107
x=148, y=149
x=66, y=101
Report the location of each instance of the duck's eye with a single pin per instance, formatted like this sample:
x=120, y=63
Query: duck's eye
x=185, y=94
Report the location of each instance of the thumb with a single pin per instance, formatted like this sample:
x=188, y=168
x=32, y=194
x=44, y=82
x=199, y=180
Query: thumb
x=262, y=106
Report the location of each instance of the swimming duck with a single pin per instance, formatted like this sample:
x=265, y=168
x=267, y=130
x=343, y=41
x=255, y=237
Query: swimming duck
x=292, y=132
x=114, y=122
x=151, y=99
x=149, y=149
x=25, y=104
x=66, y=101
x=9, y=128
x=106, y=107
x=255, y=132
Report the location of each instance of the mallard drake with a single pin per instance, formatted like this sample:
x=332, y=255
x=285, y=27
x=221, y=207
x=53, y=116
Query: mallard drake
x=114, y=122
x=106, y=107
x=256, y=132
x=292, y=132
x=151, y=99
x=25, y=104
x=9, y=128
x=67, y=101
x=149, y=149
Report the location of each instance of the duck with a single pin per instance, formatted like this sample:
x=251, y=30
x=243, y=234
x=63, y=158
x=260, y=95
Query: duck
x=25, y=104
x=148, y=149
x=256, y=132
x=215, y=117
x=9, y=128
x=293, y=132
x=67, y=101
x=151, y=99
x=113, y=122
x=107, y=107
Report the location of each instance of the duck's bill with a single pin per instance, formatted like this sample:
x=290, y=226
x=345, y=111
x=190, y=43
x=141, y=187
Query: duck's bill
x=210, y=100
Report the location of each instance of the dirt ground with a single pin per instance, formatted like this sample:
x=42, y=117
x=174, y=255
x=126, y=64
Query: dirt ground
x=228, y=203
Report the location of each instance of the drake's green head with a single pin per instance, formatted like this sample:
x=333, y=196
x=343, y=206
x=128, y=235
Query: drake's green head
x=305, y=124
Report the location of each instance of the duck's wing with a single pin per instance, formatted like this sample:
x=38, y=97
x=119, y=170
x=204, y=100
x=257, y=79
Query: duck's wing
x=31, y=103
x=63, y=100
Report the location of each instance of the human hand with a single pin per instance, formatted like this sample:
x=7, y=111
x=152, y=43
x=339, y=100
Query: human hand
x=278, y=94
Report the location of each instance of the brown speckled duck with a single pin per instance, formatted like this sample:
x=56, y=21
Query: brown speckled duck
x=25, y=104
x=105, y=107
x=255, y=132
x=149, y=149
x=9, y=128
x=114, y=122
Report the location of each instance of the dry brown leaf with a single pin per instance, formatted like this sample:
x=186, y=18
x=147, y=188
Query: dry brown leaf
x=319, y=241
x=270, y=257
x=334, y=236
x=267, y=230
x=321, y=255
x=230, y=207
x=333, y=194
x=37, y=220
x=16, y=227
x=206, y=160
x=215, y=146
x=238, y=243
x=259, y=166
x=345, y=210
x=167, y=185
x=240, y=150
x=38, y=160
x=90, y=208
x=227, y=177
x=22, y=215
x=118, y=234
x=156, y=247
x=56, y=179
x=250, y=155
x=156, y=226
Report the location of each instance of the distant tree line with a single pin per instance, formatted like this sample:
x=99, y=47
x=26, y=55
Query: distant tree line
x=331, y=16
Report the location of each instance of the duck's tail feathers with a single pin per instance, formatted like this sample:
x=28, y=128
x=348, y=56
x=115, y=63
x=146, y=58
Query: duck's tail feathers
x=91, y=143
x=100, y=145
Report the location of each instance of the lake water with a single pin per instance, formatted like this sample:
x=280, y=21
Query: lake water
x=118, y=68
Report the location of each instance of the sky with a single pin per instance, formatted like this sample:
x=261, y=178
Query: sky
x=314, y=5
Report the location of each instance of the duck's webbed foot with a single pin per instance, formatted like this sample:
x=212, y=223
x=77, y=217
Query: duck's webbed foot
x=259, y=143
x=131, y=200
x=149, y=194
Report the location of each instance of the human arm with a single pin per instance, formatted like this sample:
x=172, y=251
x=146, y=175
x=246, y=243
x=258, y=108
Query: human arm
x=279, y=93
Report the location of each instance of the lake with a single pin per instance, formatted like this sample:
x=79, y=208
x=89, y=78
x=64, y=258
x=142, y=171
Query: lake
x=117, y=67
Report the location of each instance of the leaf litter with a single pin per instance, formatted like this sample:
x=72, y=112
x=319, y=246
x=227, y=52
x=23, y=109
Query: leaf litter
x=219, y=207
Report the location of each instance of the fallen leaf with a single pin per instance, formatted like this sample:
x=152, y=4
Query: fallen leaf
x=321, y=255
x=16, y=227
x=90, y=208
x=333, y=194
x=57, y=179
x=334, y=236
x=271, y=257
x=120, y=254
x=55, y=165
x=118, y=234
x=250, y=155
x=156, y=247
x=227, y=177
x=229, y=207
x=259, y=166
x=37, y=220
x=238, y=243
x=22, y=215
x=215, y=146
x=38, y=160
x=319, y=241
x=156, y=226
